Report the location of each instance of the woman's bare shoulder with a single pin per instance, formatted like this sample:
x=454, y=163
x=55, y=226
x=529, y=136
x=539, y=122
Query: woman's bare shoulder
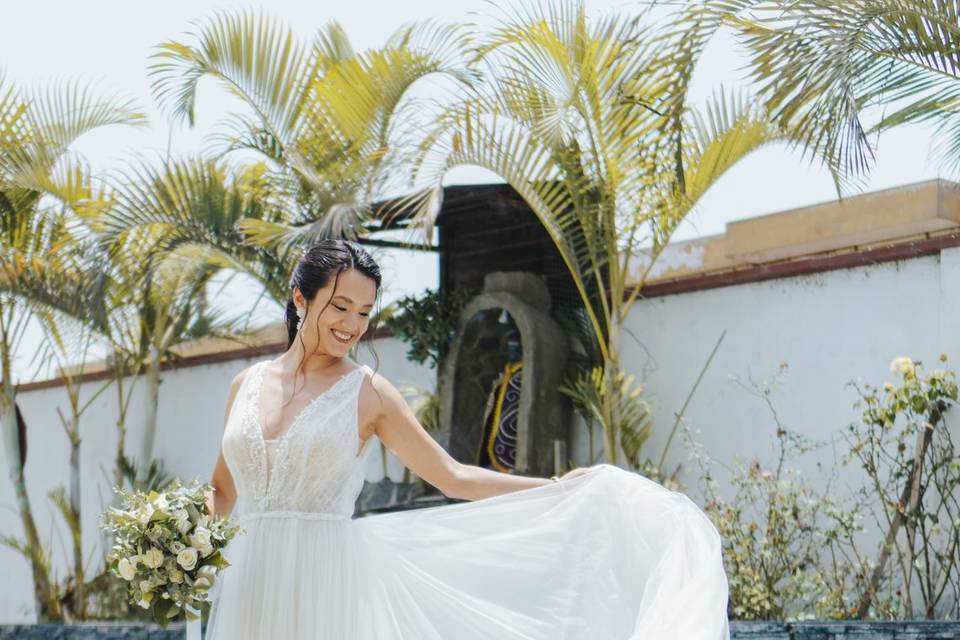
x=240, y=377
x=378, y=394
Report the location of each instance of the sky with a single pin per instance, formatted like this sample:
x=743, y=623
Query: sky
x=108, y=44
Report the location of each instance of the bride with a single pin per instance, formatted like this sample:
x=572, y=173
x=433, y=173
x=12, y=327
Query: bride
x=599, y=554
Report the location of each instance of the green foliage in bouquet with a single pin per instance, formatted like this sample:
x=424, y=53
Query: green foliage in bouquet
x=168, y=548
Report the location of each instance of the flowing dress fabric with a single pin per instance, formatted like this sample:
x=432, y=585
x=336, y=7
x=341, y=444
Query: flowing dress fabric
x=608, y=555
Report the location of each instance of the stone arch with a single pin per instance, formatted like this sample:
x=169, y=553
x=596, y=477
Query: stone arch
x=544, y=413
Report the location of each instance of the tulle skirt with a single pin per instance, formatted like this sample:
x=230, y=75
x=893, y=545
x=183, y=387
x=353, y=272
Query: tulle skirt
x=608, y=555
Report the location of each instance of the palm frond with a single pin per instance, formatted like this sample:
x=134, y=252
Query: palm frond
x=158, y=207
x=588, y=392
x=255, y=58
x=823, y=66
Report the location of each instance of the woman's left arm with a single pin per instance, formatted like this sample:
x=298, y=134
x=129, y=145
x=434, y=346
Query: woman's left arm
x=399, y=430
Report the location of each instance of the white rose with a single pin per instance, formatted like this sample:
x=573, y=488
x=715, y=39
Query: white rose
x=176, y=576
x=201, y=541
x=127, y=569
x=177, y=546
x=153, y=558
x=187, y=558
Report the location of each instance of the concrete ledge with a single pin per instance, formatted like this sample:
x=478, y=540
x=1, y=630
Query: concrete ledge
x=846, y=630
x=829, y=231
x=739, y=630
x=93, y=631
x=869, y=218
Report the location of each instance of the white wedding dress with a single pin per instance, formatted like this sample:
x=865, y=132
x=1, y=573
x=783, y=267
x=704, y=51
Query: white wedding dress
x=608, y=555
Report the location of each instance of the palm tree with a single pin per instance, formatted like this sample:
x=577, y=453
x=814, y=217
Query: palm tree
x=43, y=184
x=185, y=213
x=58, y=281
x=330, y=122
x=157, y=304
x=589, y=121
x=839, y=73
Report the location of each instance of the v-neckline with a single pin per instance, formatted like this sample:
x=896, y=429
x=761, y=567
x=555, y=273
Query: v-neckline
x=258, y=404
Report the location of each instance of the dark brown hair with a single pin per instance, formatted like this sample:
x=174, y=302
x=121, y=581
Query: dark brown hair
x=326, y=259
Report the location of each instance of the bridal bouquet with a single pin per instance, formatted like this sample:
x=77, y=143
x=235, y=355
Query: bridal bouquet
x=167, y=546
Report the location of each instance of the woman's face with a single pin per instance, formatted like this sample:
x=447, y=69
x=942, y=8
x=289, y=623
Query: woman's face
x=345, y=313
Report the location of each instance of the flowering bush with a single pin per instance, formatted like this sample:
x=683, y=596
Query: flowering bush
x=781, y=532
x=792, y=551
x=912, y=476
x=167, y=547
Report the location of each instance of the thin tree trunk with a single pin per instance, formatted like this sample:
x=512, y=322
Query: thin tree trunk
x=121, y=455
x=79, y=594
x=611, y=394
x=152, y=375
x=910, y=499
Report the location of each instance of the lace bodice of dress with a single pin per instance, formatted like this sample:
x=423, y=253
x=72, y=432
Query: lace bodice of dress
x=314, y=466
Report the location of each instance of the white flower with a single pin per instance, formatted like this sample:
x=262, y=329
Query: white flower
x=182, y=520
x=145, y=513
x=176, y=576
x=177, y=546
x=153, y=558
x=201, y=541
x=187, y=558
x=204, y=521
x=160, y=503
x=205, y=577
x=127, y=569
x=902, y=365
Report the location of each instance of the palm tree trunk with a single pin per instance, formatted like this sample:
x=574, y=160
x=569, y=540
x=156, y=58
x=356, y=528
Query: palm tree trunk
x=611, y=394
x=120, y=457
x=79, y=594
x=46, y=607
x=152, y=375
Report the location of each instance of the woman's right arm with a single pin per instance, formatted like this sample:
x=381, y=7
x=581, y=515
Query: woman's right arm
x=224, y=494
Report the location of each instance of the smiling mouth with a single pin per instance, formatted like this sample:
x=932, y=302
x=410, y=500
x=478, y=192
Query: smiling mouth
x=341, y=337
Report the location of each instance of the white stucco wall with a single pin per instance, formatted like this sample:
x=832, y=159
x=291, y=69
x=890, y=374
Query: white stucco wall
x=829, y=328
x=190, y=424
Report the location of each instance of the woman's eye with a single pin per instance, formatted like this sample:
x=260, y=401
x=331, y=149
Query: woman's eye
x=339, y=307
x=365, y=315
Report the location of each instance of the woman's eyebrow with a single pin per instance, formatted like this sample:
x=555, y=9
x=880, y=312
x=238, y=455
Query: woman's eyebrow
x=346, y=299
